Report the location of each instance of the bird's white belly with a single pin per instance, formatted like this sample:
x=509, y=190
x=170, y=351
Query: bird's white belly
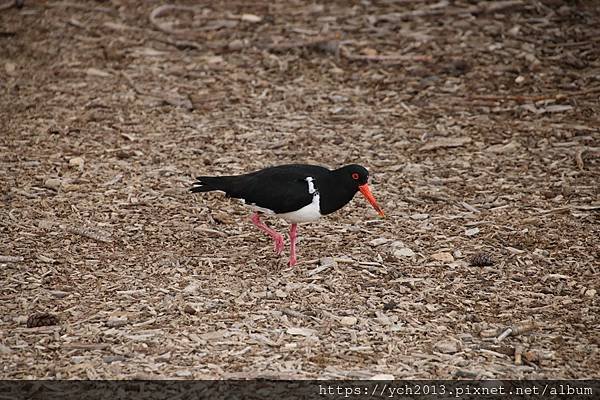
x=308, y=213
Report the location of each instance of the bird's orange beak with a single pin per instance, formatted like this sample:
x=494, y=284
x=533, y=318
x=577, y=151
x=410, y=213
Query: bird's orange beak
x=366, y=191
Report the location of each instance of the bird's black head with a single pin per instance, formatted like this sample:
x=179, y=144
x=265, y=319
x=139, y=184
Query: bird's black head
x=354, y=174
x=354, y=177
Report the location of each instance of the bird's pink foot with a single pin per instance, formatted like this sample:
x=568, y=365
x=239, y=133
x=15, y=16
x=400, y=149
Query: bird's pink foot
x=293, y=236
x=293, y=261
x=277, y=237
x=279, y=244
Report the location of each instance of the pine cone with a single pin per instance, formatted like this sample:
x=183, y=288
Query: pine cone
x=481, y=260
x=41, y=319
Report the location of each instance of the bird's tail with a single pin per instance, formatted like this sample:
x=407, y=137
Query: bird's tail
x=208, y=184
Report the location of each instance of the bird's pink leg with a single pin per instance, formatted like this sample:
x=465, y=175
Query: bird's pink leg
x=277, y=238
x=293, y=236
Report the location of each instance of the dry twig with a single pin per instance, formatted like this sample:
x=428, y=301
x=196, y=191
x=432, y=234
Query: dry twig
x=11, y=259
x=518, y=355
x=161, y=10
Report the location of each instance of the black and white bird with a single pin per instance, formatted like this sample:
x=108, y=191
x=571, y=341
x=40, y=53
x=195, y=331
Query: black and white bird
x=295, y=192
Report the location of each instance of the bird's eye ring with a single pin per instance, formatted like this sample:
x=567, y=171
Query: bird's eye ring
x=355, y=176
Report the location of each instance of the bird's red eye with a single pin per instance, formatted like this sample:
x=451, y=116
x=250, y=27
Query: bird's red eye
x=355, y=176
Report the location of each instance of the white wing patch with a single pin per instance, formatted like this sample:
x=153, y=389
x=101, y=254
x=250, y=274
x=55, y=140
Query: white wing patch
x=308, y=213
x=311, y=185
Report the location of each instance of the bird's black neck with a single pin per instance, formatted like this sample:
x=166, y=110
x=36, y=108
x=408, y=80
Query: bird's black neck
x=332, y=195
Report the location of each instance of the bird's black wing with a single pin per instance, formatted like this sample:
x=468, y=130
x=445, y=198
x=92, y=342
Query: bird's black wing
x=281, y=189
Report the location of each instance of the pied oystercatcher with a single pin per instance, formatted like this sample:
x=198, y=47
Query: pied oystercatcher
x=295, y=192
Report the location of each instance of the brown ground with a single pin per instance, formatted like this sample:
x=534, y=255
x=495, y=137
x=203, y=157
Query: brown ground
x=480, y=127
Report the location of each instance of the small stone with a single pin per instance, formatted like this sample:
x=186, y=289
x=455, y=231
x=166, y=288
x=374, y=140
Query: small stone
x=564, y=11
x=53, y=183
x=236, y=44
x=447, y=346
x=378, y=242
x=348, y=321
x=166, y=357
x=519, y=79
x=115, y=322
x=214, y=59
x=77, y=162
x=10, y=68
x=189, y=309
x=328, y=262
x=397, y=244
x=98, y=72
x=369, y=52
x=403, y=252
x=590, y=292
x=58, y=294
x=251, y=18
x=113, y=358
x=192, y=288
x=5, y=349
x=45, y=224
x=472, y=231
x=280, y=293
x=419, y=217
x=382, y=318
x=443, y=257
x=184, y=373
x=541, y=253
